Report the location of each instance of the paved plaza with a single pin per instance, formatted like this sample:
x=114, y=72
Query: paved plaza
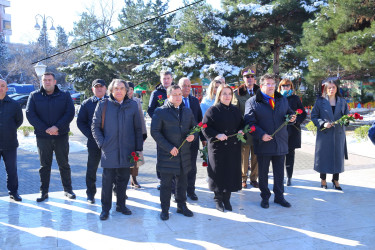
x=318, y=218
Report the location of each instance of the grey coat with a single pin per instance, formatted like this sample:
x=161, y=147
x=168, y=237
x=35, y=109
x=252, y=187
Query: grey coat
x=169, y=128
x=122, y=132
x=330, y=146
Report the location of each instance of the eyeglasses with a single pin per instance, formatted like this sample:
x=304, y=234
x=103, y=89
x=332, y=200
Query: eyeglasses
x=269, y=85
x=285, y=86
x=250, y=76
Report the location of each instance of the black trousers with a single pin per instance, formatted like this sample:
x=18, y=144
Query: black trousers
x=335, y=177
x=191, y=177
x=10, y=162
x=120, y=176
x=166, y=188
x=93, y=159
x=289, y=162
x=46, y=147
x=278, y=176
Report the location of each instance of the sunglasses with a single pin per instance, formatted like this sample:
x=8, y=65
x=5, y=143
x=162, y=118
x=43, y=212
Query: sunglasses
x=250, y=76
x=285, y=86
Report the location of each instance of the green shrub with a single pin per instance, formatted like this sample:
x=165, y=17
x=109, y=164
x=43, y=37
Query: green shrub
x=311, y=127
x=145, y=100
x=26, y=130
x=361, y=132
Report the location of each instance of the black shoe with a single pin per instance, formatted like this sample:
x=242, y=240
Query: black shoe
x=193, y=196
x=227, y=205
x=158, y=188
x=90, y=199
x=283, y=203
x=265, y=204
x=104, y=215
x=70, y=194
x=15, y=196
x=254, y=184
x=164, y=215
x=289, y=182
x=323, y=186
x=124, y=210
x=43, y=197
x=183, y=209
x=219, y=206
x=336, y=187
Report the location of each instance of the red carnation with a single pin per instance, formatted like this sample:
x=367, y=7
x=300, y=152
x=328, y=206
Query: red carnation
x=351, y=115
x=252, y=129
x=200, y=124
x=204, y=125
x=204, y=164
x=356, y=116
x=361, y=117
x=133, y=154
x=144, y=92
x=299, y=111
x=136, y=158
x=160, y=96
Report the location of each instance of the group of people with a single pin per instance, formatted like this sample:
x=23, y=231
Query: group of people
x=113, y=122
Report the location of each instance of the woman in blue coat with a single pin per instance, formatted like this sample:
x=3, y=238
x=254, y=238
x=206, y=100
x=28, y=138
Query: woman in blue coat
x=330, y=146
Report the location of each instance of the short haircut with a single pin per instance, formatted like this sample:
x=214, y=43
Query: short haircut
x=182, y=80
x=114, y=81
x=49, y=74
x=165, y=72
x=285, y=82
x=266, y=77
x=171, y=88
x=219, y=90
x=325, y=88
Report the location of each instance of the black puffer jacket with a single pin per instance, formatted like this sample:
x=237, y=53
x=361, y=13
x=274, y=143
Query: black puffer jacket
x=153, y=103
x=266, y=120
x=169, y=128
x=11, y=118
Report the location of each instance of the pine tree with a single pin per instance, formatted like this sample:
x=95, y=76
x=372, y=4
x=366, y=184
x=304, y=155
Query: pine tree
x=61, y=39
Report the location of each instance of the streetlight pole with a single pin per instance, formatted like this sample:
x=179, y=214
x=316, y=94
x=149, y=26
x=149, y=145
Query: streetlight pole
x=44, y=28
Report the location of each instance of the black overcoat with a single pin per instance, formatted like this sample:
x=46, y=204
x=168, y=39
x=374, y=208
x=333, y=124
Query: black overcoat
x=294, y=130
x=169, y=128
x=224, y=157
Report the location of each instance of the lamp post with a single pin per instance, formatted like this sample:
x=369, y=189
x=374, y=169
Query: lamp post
x=40, y=69
x=44, y=28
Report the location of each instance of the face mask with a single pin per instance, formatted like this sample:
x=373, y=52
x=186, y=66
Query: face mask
x=286, y=93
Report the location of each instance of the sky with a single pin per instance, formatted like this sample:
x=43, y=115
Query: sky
x=64, y=13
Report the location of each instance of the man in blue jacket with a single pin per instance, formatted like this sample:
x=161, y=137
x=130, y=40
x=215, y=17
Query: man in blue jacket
x=11, y=118
x=50, y=111
x=192, y=103
x=84, y=121
x=266, y=111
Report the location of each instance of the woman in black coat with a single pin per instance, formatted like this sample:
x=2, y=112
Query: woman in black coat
x=286, y=88
x=224, y=156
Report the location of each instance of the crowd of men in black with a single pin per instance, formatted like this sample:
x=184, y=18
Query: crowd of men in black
x=113, y=122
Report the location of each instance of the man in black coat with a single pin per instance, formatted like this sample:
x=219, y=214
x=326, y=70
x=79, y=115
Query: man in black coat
x=170, y=126
x=266, y=111
x=84, y=121
x=159, y=95
x=50, y=111
x=11, y=118
x=192, y=103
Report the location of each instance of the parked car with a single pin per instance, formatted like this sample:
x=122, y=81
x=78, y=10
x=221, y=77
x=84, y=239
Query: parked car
x=76, y=98
x=14, y=95
x=21, y=99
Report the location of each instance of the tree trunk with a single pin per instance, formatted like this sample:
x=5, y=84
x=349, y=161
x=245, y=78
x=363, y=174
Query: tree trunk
x=276, y=58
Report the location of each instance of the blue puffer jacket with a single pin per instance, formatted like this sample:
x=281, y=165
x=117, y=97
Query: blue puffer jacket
x=44, y=111
x=266, y=120
x=11, y=118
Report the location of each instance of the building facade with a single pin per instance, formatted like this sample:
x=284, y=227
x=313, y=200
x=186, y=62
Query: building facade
x=5, y=20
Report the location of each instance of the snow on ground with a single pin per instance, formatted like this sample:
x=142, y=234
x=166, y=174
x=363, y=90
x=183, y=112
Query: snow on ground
x=29, y=143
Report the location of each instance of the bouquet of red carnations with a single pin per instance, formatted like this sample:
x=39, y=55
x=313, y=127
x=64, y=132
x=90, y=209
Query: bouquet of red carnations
x=345, y=119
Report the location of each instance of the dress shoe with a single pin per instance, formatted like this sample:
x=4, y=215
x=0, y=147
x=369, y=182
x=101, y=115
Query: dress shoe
x=265, y=204
x=43, y=197
x=104, y=215
x=124, y=210
x=289, y=182
x=254, y=184
x=244, y=185
x=227, y=205
x=135, y=183
x=15, y=196
x=193, y=196
x=322, y=185
x=90, y=199
x=336, y=187
x=164, y=215
x=183, y=209
x=219, y=206
x=70, y=194
x=283, y=203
